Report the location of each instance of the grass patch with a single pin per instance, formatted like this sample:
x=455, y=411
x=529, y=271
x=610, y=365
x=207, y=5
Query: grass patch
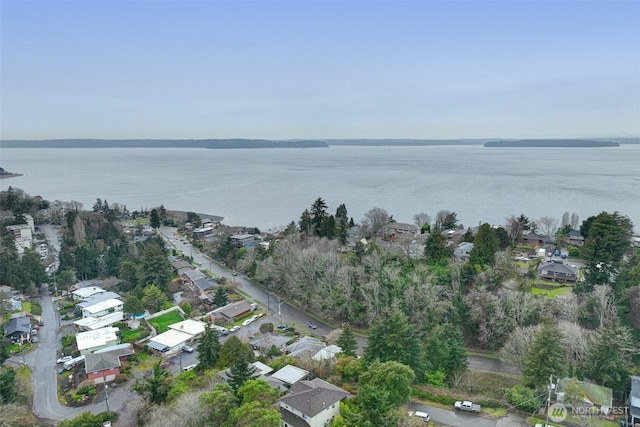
x=131, y=336
x=26, y=306
x=481, y=354
x=551, y=293
x=495, y=412
x=165, y=320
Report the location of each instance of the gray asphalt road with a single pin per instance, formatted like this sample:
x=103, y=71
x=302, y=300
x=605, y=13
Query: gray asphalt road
x=463, y=419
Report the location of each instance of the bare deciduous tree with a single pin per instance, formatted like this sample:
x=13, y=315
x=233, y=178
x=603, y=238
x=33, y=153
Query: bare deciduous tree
x=375, y=219
x=604, y=304
x=421, y=219
x=575, y=221
x=565, y=307
x=565, y=220
x=548, y=225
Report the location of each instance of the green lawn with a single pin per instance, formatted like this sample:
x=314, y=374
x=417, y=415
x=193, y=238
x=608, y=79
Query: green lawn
x=131, y=336
x=165, y=320
x=551, y=293
x=26, y=306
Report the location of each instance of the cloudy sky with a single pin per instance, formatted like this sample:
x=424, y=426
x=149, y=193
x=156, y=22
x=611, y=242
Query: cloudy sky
x=319, y=69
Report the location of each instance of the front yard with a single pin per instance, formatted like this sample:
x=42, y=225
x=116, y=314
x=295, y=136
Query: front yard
x=161, y=323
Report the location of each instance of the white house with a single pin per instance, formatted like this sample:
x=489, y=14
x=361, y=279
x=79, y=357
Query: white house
x=88, y=292
x=103, y=308
x=170, y=341
x=195, y=328
x=91, y=341
x=312, y=403
x=92, y=323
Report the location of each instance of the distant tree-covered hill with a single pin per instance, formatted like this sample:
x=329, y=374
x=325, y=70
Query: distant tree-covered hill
x=550, y=143
x=167, y=143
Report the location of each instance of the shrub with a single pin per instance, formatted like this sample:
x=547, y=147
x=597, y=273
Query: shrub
x=266, y=327
x=121, y=378
x=523, y=398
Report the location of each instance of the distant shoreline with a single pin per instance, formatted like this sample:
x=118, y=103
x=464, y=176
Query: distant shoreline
x=314, y=143
x=9, y=175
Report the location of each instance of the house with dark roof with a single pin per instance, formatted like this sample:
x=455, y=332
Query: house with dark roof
x=18, y=329
x=103, y=366
x=558, y=271
x=576, y=238
x=534, y=239
x=206, y=284
x=312, y=403
x=229, y=313
x=179, y=266
x=189, y=277
x=634, y=401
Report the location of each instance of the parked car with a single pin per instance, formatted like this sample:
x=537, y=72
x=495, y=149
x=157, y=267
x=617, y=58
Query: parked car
x=64, y=359
x=190, y=367
x=312, y=325
x=187, y=348
x=34, y=339
x=421, y=415
x=247, y=322
x=234, y=328
x=165, y=365
x=283, y=326
x=467, y=406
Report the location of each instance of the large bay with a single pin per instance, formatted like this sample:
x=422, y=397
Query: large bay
x=268, y=188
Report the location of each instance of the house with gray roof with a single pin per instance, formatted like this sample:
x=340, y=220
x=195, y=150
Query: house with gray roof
x=305, y=346
x=18, y=329
x=103, y=366
x=312, y=403
x=558, y=271
x=229, y=313
x=290, y=374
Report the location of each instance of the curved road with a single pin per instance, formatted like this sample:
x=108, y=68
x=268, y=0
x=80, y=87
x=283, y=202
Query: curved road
x=42, y=361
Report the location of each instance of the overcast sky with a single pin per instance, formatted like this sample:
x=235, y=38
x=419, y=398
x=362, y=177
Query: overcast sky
x=318, y=69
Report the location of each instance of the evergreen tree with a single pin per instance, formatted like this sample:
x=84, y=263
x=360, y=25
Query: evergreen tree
x=232, y=351
x=347, y=342
x=209, y=349
x=240, y=373
x=392, y=339
x=305, y=224
x=162, y=215
x=220, y=297
x=156, y=387
x=607, y=241
x=485, y=246
x=154, y=219
x=608, y=356
x=153, y=299
x=436, y=249
x=8, y=388
x=545, y=356
x=445, y=351
x=318, y=214
x=154, y=267
x=133, y=305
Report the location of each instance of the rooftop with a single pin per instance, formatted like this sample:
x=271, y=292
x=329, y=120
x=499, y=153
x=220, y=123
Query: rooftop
x=103, y=305
x=189, y=326
x=172, y=338
x=88, y=291
x=96, y=338
x=290, y=374
x=93, y=323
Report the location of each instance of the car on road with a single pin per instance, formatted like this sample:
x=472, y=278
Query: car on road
x=234, y=328
x=187, y=348
x=312, y=325
x=421, y=415
x=64, y=359
x=190, y=367
x=283, y=326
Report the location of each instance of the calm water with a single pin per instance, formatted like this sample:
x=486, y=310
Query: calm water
x=269, y=188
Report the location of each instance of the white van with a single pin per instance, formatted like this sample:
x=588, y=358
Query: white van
x=419, y=414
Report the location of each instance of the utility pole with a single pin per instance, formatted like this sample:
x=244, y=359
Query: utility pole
x=106, y=395
x=546, y=424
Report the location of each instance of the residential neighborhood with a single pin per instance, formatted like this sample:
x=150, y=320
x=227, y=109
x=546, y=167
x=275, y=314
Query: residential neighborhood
x=206, y=309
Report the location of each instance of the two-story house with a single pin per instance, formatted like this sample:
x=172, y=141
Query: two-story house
x=634, y=402
x=312, y=403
